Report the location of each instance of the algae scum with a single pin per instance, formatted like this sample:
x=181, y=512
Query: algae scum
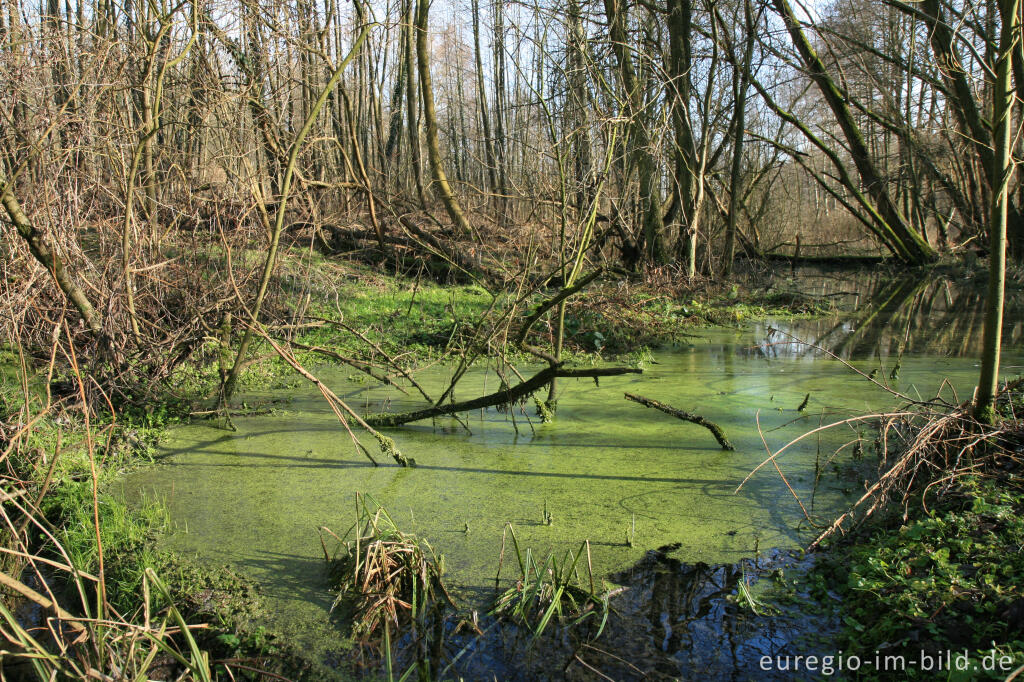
x=626, y=478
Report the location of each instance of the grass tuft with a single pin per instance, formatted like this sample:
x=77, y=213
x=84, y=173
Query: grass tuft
x=550, y=591
x=387, y=578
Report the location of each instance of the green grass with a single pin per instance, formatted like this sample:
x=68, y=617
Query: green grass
x=53, y=456
x=416, y=321
x=127, y=535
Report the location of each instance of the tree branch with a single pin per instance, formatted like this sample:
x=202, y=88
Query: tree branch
x=711, y=426
x=502, y=397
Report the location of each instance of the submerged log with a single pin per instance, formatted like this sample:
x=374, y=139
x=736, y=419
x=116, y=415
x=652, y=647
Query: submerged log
x=711, y=426
x=503, y=397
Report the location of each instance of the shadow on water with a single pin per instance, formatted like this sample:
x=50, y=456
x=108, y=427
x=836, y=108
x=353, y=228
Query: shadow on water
x=672, y=620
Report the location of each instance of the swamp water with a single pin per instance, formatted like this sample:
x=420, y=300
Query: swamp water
x=255, y=498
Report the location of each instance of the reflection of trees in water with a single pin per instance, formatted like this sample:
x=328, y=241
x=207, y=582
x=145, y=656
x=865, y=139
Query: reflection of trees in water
x=680, y=620
x=895, y=316
x=689, y=604
x=671, y=620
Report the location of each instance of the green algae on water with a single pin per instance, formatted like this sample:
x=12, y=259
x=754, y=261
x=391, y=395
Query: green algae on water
x=625, y=478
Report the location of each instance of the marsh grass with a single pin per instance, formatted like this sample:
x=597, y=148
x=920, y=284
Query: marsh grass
x=550, y=590
x=56, y=621
x=384, y=577
x=106, y=646
x=80, y=594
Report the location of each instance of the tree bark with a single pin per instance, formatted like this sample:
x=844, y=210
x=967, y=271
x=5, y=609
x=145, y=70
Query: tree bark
x=482, y=105
x=1002, y=169
x=444, y=190
x=412, y=103
x=680, y=20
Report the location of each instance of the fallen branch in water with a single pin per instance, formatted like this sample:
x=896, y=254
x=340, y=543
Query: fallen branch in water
x=711, y=426
x=363, y=367
x=503, y=397
x=387, y=446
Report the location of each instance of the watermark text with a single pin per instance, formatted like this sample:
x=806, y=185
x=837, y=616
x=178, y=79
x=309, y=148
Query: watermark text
x=924, y=661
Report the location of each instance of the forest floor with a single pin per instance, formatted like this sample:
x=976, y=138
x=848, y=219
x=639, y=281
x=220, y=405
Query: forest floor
x=942, y=587
x=902, y=584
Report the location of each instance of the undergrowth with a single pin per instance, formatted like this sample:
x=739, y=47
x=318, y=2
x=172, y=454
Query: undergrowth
x=951, y=579
x=940, y=566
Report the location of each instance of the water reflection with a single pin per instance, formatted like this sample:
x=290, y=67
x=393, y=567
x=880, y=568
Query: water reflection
x=671, y=620
x=883, y=316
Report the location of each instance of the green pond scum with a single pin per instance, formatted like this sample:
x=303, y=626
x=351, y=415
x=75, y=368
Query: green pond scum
x=230, y=519
x=627, y=479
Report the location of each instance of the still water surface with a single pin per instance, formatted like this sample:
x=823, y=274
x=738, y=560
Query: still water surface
x=255, y=498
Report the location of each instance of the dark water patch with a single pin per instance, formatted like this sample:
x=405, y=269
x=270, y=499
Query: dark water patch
x=669, y=620
x=718, y=621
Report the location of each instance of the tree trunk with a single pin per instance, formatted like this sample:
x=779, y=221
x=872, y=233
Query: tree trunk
x=481, y=93
x=742, y=81
x=680, y=86
x=640, y=141
x=47, y=257
x=1002, y=169
x=444, y=190
x=502, y=397
x=412, y=104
